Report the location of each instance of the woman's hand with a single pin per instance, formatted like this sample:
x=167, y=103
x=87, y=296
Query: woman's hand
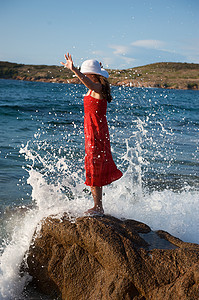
x=97, y=87
x=69, y=62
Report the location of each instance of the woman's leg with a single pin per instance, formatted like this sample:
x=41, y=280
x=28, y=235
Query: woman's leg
x=97, y=197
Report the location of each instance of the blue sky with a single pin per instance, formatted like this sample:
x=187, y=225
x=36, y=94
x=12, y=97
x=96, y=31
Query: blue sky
x=121, y=34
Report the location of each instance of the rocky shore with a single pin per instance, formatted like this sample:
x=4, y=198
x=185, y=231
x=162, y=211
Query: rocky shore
x=158, y=75
x=182, y=85
x=107, y=258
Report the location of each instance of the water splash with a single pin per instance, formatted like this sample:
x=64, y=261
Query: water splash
x=54, y=162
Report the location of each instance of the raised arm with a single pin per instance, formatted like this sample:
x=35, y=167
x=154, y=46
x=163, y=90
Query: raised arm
x=97, y=87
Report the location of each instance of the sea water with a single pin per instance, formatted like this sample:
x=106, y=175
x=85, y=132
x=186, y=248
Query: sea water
x=154, y=140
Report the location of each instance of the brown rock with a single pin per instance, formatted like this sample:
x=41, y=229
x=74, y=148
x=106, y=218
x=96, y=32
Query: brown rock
x=107, y=258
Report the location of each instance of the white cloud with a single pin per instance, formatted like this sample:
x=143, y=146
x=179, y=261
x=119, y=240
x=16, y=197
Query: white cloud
x=150, y=44
x=120, y=56
x=119, y=49
x=118, y=62
x=128, y=60
x=190, y=48
x=141, y=52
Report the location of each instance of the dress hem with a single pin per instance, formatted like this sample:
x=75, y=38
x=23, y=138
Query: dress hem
x=107, y=182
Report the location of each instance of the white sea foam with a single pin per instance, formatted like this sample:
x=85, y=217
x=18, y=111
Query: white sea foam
x=176, y=213
x=48, y=199
x=58, y=187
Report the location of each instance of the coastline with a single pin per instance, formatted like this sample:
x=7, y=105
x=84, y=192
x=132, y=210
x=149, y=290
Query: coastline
x=124, y=83
x=181, y=76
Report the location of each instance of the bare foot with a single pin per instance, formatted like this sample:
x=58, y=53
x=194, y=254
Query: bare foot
x=95, y=210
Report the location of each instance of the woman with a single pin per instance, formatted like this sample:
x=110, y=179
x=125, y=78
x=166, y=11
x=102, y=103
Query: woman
x=99, y=165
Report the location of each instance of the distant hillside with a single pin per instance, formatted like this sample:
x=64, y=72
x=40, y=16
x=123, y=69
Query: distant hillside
x=33, y=72
x=164, y=75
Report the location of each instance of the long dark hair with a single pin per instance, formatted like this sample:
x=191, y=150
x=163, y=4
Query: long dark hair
x=106, y=91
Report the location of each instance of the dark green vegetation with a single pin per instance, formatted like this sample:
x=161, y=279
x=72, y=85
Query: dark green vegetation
x=32, y=72
x=165, y=75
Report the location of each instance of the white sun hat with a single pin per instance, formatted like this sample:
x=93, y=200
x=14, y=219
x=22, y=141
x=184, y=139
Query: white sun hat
x=92, y=66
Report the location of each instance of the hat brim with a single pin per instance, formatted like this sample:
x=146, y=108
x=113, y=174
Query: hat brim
x=103, y=73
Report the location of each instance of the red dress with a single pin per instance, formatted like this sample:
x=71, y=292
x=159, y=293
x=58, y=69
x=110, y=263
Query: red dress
x=99, y=165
